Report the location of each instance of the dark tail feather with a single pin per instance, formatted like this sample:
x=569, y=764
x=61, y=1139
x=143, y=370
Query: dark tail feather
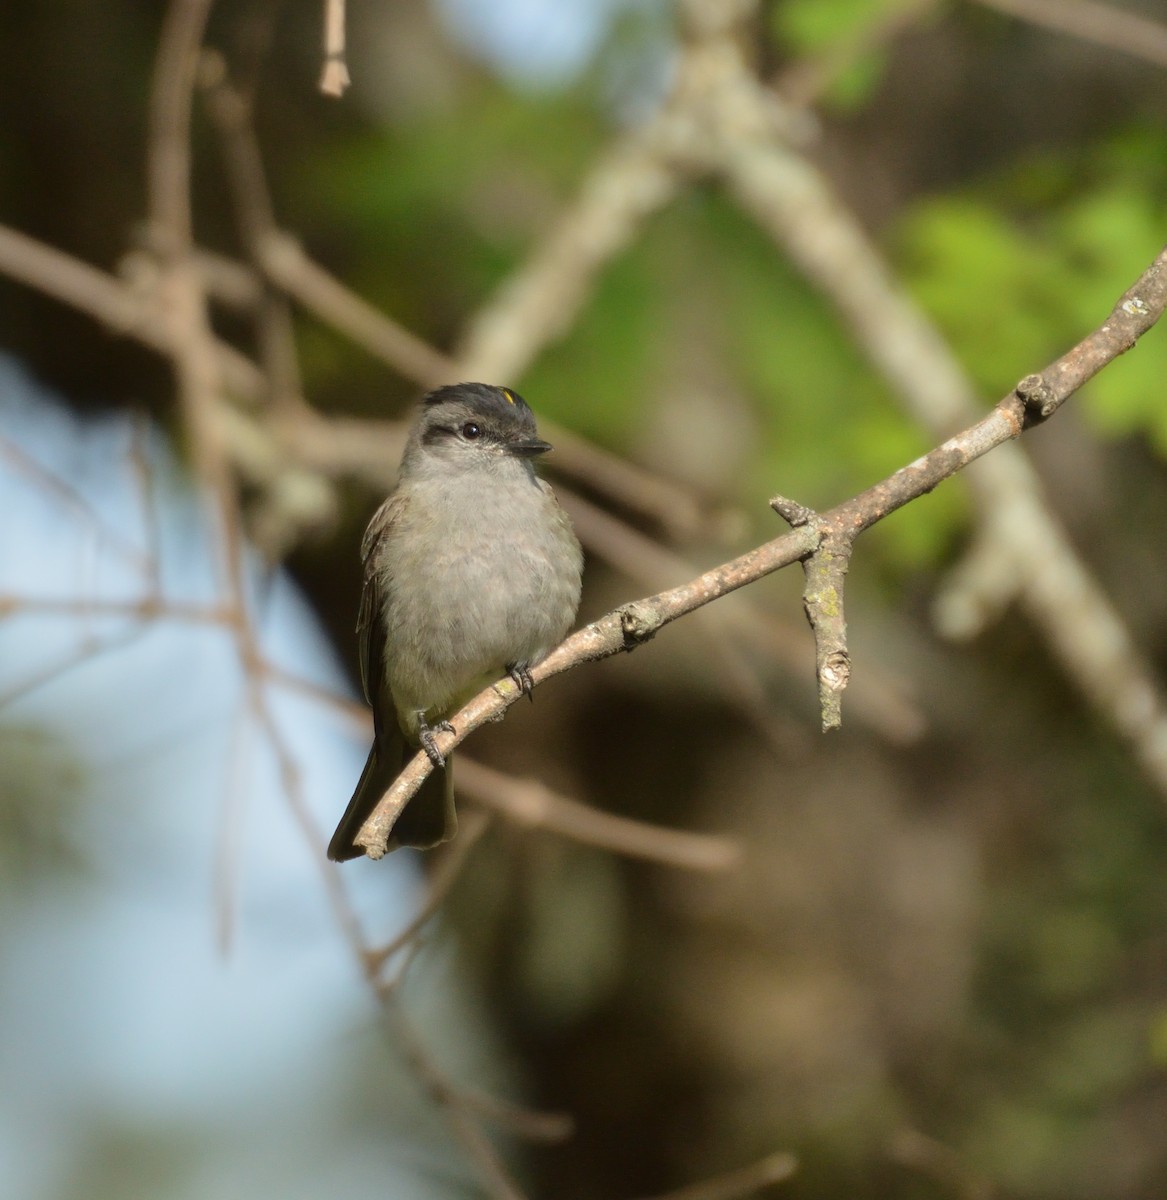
x=378, y=774
x=427, y=820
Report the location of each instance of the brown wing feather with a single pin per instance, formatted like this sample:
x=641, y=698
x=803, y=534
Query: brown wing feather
x=370, y=627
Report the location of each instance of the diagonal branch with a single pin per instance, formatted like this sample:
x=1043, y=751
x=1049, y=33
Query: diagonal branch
x=731, y=130
x=633, y=624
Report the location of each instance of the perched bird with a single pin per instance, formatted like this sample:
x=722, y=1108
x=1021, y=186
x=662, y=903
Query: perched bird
x=472, y=571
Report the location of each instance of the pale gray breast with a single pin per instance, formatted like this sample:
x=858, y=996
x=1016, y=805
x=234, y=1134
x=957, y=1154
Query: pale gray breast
x=482, y=570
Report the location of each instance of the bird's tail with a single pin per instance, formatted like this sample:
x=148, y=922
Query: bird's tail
x=427, y=820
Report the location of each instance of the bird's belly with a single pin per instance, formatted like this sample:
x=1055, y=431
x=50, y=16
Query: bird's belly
x=498, y=588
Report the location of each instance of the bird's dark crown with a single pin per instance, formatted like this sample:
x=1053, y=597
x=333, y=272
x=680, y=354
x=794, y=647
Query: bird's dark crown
x=498, y=405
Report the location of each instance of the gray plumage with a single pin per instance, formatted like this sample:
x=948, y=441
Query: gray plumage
x=472, y=570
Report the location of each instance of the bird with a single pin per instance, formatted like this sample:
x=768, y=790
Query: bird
x=472, y=571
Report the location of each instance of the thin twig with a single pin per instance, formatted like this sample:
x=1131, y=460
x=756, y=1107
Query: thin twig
x=288, y=267
x=446, y=1095
x=66, y=494
x=532, y=1125
x=113, y=303
x=334, y=76
x=528, y=802
x=492, y=1172
x=450, y=865
x=290, y=501
x=168, y=158
x=876, y=699
x=231, y=112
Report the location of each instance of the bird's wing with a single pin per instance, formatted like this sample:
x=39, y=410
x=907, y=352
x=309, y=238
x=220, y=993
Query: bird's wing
x=370, y=623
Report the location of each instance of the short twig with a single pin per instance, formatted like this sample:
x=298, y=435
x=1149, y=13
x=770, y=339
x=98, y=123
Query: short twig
x=794, y=514
x=334, y=76
x=825, y=569
x=532, y=1125
x=446, y=874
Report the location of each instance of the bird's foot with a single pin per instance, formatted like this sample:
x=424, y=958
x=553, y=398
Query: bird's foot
x=521, y=674
x=425, y=735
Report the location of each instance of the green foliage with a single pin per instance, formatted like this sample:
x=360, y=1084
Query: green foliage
x=811, y=25
x=1001, y=297
x=596, y=379
x=830, y=425
x=1016, y=272
x=600, y=377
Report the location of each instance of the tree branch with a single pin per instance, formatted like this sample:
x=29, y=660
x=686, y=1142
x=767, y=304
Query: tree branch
x=633, y=624
x=731, y=129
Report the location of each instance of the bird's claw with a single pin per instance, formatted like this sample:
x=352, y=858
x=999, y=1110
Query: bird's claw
x=425, y=735
x=521, y=674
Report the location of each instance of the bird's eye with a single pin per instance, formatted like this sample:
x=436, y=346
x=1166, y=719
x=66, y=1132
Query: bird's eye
x=470, y=431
